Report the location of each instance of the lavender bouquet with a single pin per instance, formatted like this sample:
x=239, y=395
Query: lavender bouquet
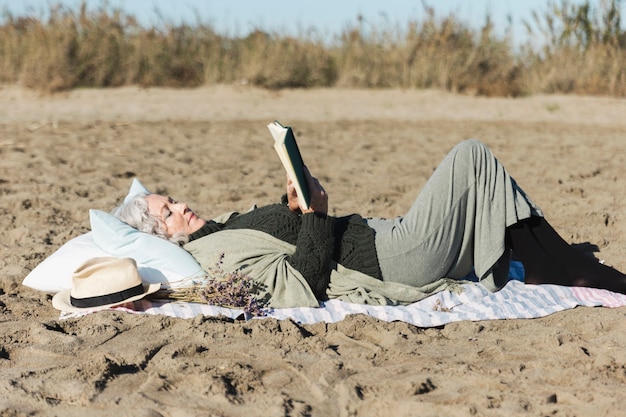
x=226, y=289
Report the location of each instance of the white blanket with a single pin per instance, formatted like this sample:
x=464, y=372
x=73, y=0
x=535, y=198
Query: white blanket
x=515, y=301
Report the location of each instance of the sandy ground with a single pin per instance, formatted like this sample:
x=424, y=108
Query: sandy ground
x=62, y=155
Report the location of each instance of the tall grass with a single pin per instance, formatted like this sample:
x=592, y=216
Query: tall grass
x=583, y=49
x=573, y=49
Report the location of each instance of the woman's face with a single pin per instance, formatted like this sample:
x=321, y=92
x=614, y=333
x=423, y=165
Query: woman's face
x=176, y=217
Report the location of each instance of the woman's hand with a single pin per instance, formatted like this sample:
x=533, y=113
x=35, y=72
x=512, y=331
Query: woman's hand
x=319, y=198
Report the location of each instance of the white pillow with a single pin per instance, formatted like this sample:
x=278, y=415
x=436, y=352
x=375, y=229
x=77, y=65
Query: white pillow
x=158, y=260
x=54, y=274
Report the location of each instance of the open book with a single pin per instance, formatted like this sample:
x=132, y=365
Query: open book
x=289, y=154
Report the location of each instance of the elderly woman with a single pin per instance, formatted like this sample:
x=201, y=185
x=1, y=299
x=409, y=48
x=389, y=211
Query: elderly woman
x=469, y=217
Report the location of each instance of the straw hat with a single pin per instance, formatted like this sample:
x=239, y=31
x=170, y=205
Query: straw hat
x=104, y=282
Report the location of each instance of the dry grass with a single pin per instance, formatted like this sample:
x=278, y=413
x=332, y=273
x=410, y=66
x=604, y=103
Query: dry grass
x=581, y=52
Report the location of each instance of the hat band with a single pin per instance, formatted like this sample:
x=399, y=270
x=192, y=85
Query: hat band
x=107, y=299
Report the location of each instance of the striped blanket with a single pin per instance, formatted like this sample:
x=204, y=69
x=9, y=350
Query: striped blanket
x=515, y=301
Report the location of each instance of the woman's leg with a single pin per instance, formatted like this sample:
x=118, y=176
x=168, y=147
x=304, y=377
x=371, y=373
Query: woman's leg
x=457, y=222
x=548, y=259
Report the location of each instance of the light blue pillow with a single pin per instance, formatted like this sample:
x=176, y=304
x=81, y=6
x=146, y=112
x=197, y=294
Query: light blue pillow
x=119, y=239
x=136, y=187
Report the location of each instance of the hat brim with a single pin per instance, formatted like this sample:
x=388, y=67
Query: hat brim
x=61, y=300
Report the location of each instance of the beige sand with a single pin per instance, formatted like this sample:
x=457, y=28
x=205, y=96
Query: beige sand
x=373, y=150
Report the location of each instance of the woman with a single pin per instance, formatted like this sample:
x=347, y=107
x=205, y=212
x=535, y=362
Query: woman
x=470, y=215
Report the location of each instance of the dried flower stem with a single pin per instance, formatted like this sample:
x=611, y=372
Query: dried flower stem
x=226, y=289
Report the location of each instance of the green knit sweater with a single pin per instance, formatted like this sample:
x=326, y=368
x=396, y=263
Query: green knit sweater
x=319, y=240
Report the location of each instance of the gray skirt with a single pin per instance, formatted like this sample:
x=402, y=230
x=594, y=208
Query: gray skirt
x=457, y=223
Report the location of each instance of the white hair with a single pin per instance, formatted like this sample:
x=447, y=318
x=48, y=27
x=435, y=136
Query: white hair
x=135, y=213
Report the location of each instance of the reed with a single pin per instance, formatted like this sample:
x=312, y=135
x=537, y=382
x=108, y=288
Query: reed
x=582, y=50
x=574, y=48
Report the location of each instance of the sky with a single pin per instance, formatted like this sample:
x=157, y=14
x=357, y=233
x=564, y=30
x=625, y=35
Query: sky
x=327, y=17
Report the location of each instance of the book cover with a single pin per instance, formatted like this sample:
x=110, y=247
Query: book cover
x=287, y=149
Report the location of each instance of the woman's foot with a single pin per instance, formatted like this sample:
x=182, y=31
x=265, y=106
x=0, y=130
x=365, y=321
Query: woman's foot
x=548, y=259
x=581, y=274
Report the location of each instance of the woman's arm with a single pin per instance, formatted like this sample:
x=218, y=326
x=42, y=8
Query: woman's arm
x=316, y=240
x=319, y=197
x=314, y=251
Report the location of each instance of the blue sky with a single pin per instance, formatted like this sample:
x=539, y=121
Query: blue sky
x=328, y=17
